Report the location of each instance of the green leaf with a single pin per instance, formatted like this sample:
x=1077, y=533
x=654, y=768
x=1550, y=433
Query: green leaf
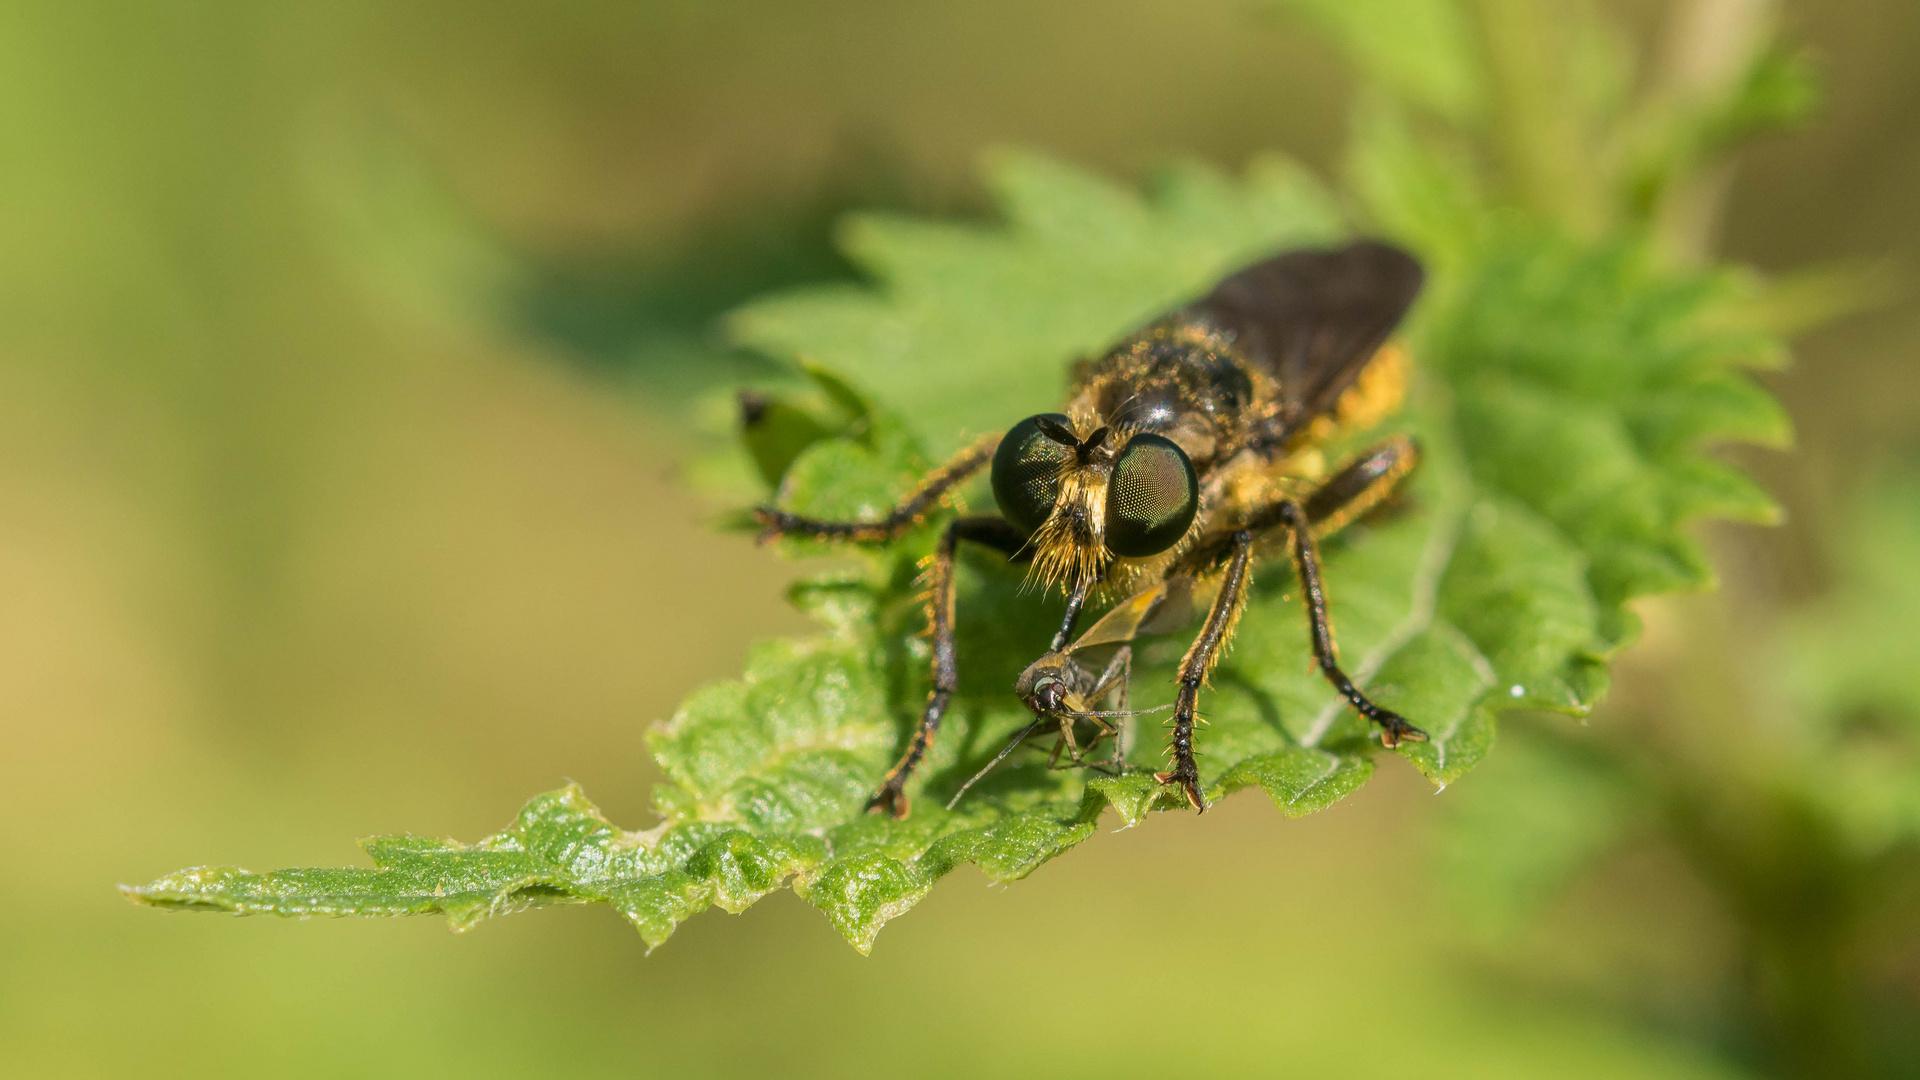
x=1586, y=383
x=1675, y=135
x=1428, y=199
x=1563, y=397
x=1852, y=652
x=1782, y=89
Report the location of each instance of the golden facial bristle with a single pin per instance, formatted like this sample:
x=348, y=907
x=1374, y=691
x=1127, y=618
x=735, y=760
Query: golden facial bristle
x=1068, y=548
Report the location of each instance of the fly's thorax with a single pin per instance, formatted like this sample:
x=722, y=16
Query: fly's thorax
x=1181, y=378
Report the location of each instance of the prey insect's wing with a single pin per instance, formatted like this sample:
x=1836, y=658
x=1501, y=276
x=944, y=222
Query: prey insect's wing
x=1312, y=319
x=1166, y=606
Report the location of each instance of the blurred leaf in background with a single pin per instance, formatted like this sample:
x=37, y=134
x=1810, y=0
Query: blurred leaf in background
x=645, y=318
x=1791, y=796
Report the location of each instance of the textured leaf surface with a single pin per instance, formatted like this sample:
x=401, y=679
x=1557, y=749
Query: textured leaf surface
x=1563, y=397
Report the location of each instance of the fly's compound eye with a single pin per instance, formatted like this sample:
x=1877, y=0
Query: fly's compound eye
x=1027, y=468
x=1152, y=497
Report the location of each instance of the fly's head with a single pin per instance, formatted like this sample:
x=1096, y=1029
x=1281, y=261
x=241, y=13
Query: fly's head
x=1088, y=493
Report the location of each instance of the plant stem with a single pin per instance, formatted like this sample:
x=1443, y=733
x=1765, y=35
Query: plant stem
x=1540, y=131
x=1709, y=47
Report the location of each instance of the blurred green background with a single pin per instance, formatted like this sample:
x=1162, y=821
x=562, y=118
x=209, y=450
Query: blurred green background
x=350, y=355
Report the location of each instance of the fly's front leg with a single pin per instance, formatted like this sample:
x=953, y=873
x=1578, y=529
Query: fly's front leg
x=1198, y=662
x=924, y=497
x=1076, y=600
x=994, y=532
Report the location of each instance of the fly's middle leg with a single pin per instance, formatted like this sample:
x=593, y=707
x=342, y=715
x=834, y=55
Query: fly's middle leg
x=1198, y=662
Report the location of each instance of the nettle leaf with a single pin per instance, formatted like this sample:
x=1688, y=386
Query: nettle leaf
x=1563, y=395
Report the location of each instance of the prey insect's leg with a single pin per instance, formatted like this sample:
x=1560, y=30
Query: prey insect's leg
x=1063, y=742
x=993, y=532
x=924, y=497
x=1118, y=676
x=1012, y=745
x=1198, y=661
x=1306, y=559
x=1113, y=677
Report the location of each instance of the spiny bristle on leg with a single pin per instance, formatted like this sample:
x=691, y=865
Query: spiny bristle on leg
x=1189, y=787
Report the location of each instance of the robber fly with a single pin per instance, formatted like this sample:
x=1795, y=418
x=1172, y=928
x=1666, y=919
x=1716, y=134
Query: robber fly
x=1182, y=454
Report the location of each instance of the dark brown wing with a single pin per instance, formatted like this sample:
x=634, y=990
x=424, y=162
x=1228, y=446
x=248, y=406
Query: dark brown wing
x=1313, y=318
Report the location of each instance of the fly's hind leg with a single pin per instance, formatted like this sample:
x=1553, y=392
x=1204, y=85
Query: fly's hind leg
x=1361, y=485
x=1354, y=490
x=1394, y=728
x=993, y=532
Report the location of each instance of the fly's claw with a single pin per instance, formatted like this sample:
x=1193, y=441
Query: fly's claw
x=891, y=801
x=1189, y=784
x=772, y=524
x=1395, y=730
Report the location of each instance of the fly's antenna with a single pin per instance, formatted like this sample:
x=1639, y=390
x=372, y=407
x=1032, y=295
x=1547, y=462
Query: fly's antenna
x=997, y=759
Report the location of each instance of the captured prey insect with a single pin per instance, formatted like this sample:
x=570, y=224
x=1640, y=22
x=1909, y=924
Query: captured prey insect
x=1059, y=687
x=1183, y=454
